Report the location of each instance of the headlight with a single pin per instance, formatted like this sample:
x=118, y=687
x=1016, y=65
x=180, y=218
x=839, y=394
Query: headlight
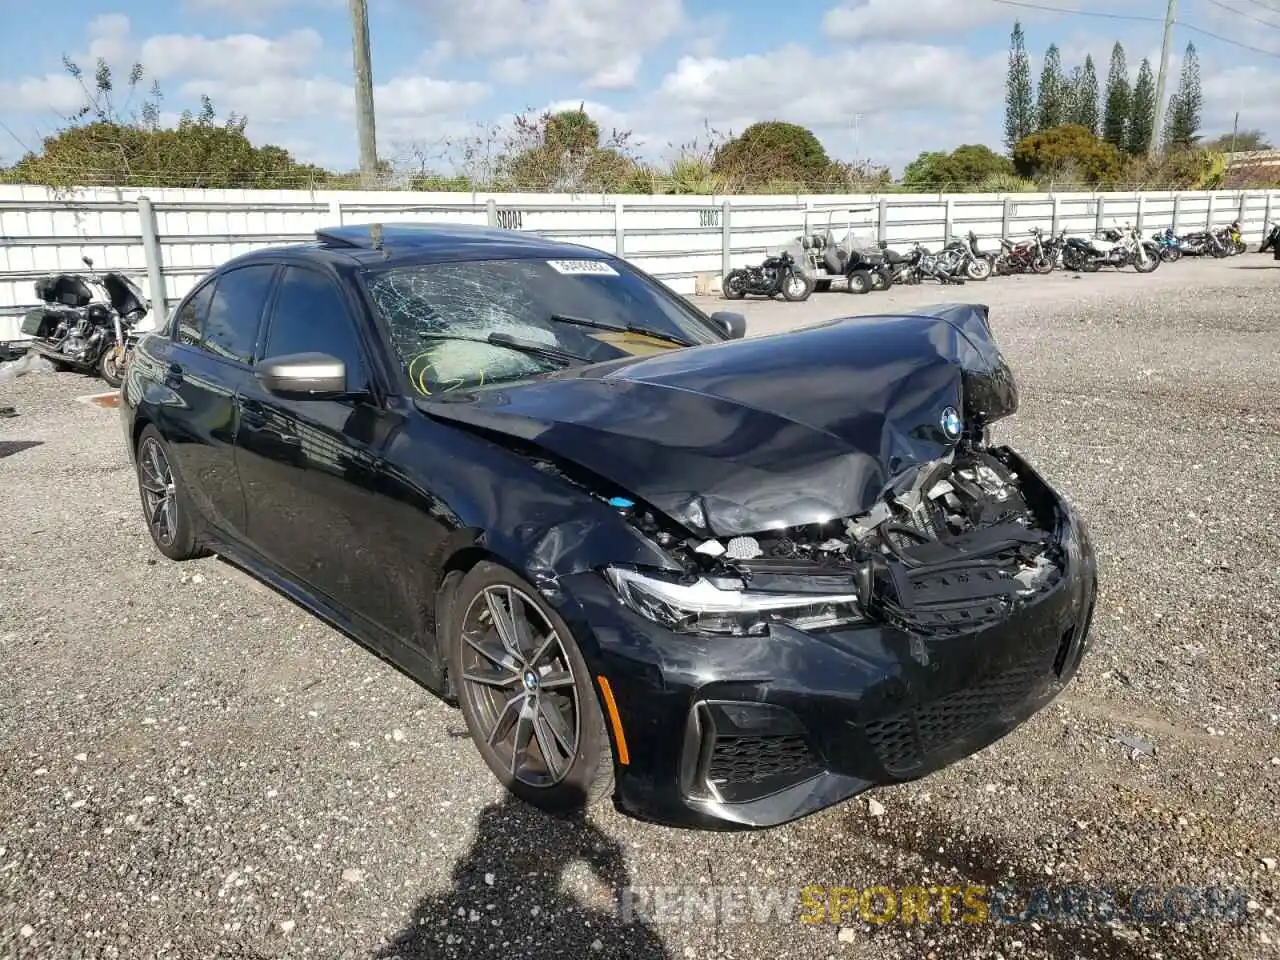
x=704, y=607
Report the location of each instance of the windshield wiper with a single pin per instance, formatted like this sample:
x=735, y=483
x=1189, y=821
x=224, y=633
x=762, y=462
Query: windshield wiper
x=563, y=357
x=620, y=328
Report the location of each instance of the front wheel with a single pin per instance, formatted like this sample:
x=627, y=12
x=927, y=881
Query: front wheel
x=1042, y=265
x=978, y=270
x=526, y=694
x=735, y=285
x=859, y=281
x=111, y=366
x=797, y=287
x=1219, y=251
x=1170, y=254
x=1149, y=264
x=881, y=279
x=1241, y=247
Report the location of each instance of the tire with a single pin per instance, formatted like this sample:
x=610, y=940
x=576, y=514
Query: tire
x=1241, y=247
x=734, y=286
x=796, y=287
x=1042, y=265
x=978, y=270
x=108, y=369
x=859, y=281
x=174, y=530
x=1170, y=254
x=881, y=279
x=492, y=673
x=1153, y=261
x=1219, y=252
x=821, y=286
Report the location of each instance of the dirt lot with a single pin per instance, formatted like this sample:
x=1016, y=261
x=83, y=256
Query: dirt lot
x=190, y=766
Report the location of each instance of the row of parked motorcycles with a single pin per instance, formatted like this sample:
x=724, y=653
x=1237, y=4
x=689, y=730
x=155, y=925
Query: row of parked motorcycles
x=87, y=322
x=866, y=269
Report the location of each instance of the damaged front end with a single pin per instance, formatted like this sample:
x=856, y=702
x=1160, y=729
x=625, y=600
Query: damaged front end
x=955, y=543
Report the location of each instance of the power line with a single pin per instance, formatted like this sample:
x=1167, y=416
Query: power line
x=1240, y=13
x=1079, y=13
x=1122, y=16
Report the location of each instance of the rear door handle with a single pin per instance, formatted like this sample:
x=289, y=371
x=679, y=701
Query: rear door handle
x=173, y=375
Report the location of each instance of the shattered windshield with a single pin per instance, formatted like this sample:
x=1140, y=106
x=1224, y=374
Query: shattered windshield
x=472, y=323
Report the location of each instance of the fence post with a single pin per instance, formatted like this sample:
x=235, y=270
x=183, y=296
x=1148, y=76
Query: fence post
x=1242, y=210
x=882, y=221
x=1006, y=215
x=335, y=212
x=726, y=240
x=491, y=210
x=1141, y=209
x=947, y=217
x=155, y=261
x=619, y=230
x=1099, y=221
x=1057, y=212
x=1208, y=214
x=1177, y=210
x=1266, y=215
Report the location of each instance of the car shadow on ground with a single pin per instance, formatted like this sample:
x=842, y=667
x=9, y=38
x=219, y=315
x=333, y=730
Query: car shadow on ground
x=509, y=898
x=9, y=447
x=1035, y=914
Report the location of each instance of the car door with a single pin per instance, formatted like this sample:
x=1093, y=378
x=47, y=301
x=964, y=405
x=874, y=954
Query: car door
x=311, y=468
x=211, y=357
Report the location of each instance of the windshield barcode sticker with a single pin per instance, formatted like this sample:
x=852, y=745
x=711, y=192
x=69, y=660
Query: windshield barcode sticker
x=582, y=266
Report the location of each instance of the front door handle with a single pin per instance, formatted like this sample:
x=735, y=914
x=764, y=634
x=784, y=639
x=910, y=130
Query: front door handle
x=173, y=375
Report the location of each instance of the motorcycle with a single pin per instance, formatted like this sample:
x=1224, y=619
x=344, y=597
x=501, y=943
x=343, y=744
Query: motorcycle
x=974, y=264
x=777, y=274
x=88, y=322
x=1026, y=257
x=945, y=267
x=1271, y=239
x=1115, y=248
x=1202, y=243
x=903, y=269
x=1232, y=238
x=1168, y=245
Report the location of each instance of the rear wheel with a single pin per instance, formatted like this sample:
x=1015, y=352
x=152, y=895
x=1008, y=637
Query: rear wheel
x=859, y=281
x=170, y=516
x=797, y=287
x=526, y=694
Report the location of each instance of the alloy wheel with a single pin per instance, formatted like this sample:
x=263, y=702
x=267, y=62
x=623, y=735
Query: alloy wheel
x=520, y=683
x=159, y=495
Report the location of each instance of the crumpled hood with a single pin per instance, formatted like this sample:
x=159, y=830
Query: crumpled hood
x=762, y=433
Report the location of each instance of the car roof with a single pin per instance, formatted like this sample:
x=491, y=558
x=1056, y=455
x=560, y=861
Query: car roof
x=391, y=244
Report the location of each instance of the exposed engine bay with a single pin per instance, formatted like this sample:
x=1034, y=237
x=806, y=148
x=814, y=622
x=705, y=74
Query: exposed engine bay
x=953, y=544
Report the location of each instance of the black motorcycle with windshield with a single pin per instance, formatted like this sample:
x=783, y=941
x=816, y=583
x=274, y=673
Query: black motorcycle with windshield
x=87, y=322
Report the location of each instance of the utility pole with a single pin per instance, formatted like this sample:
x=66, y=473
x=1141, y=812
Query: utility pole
x=364, y=92
x=1157, y=131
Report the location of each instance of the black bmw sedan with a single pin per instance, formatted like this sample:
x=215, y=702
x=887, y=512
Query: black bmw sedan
x=725, y=581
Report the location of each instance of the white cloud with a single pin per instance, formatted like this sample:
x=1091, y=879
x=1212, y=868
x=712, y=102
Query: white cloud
x=242, y=55
x=602, y=40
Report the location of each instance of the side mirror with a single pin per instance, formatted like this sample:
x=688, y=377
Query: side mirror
x=303, y=376
x=734, y=324
x=87, y=261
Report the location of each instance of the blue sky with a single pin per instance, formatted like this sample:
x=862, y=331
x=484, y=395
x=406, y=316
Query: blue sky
x=876, y=79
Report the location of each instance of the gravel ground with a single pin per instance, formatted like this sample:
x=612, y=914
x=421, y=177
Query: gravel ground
x=190, y=766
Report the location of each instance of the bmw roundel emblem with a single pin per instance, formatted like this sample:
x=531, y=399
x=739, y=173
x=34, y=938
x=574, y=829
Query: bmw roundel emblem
x=952, y=425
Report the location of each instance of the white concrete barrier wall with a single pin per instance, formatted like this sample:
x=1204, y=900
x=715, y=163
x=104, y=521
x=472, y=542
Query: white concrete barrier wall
x=673, y=238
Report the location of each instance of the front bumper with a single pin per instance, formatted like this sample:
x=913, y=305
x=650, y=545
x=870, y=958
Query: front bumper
x=742, y=732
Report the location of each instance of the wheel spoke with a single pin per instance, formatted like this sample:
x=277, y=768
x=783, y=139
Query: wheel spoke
x=511, y=710
x=502, y=623
x=547, y=744
x=521, y=628
x=522, y=738
x=548, y=644
x=500, y=659
x=493, y=678
x=553, y=719
x=555, y=680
